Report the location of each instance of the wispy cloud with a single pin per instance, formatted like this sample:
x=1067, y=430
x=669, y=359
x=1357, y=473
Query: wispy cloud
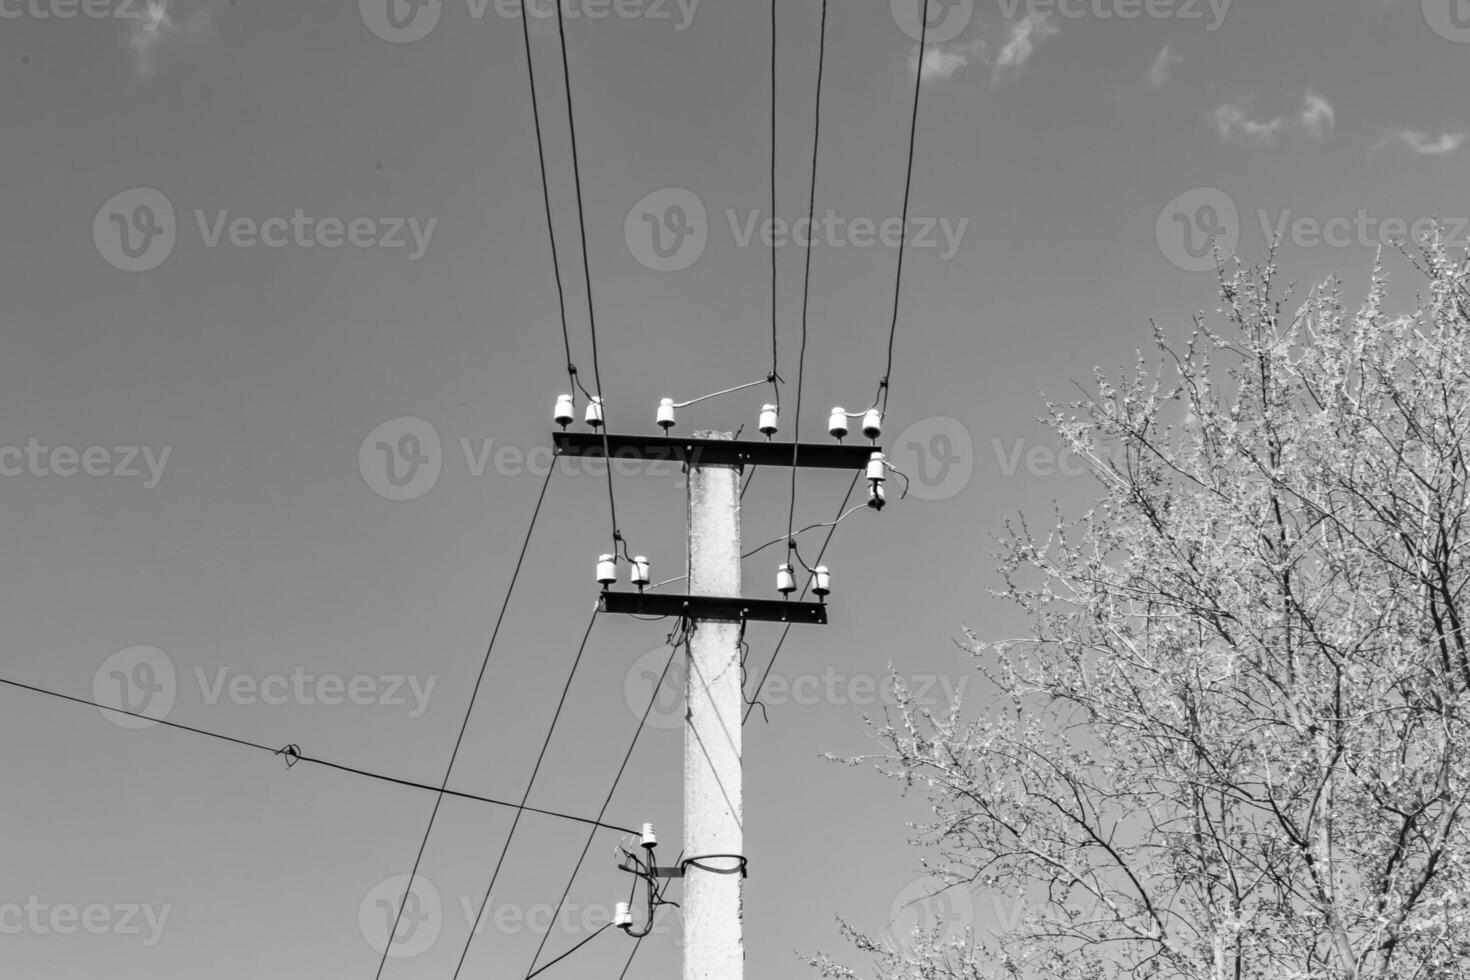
x=1023, y=38
x=163, y=22
x=1316, y=118
x=1425, y=144
x=1162, y=69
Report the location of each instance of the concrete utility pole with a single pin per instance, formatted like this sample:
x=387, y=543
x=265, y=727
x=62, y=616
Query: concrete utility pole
x=714, y=946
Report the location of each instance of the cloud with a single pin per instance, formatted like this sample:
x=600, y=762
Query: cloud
x=1423, y=143
x=162, y=22
x=1025, y=36
x=1161, y=70
x=1315, y=118
x=942, y=61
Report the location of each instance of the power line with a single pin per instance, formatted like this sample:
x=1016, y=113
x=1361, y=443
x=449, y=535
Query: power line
x=469, y=710
x=907, y=186
x=777, y=652
x=674, y=645
x=535, y=770
x=294, y=755
x=807, y=279
x=566, y=73
x=570, y=951
x=775, y=346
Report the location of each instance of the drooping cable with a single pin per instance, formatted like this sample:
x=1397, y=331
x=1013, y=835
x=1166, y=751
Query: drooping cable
x=807, y=276
x=293, y=755
x=775, y=344
x=535, y=770
x=465, y=724
x=908, y=178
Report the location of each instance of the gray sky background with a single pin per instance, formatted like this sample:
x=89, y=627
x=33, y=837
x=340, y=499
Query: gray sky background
x=1061, y=140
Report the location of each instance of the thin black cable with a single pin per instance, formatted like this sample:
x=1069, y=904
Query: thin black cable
x=807, y=280
x=293, y=755
x=570, y=951
x=777, y=652
x=464, y=725
x=566, y=73
x=675, y=646
x=775, y=346
x=535, y=770
x=561, y=298
x=624, y=974
x=907, y=186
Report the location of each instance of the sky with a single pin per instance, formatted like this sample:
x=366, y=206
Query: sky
x=248, y=243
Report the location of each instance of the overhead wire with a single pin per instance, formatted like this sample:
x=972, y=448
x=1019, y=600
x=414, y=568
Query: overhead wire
x=293, y=755
x=535, y=771
x=465, y=724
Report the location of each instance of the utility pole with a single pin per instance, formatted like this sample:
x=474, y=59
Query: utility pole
x=713, y=807
x=714, y=863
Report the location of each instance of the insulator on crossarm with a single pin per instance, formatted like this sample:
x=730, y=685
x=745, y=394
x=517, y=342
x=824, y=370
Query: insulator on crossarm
x=638, y=574
x=821, y=581
x=623, y=916
x=837, y=422
x=594, y=412
x=785, y=581
x=607, y=570
x=876, y=497
x=769, y=423
x=666, y=414
x=877, y=468
x=650, y=839
x=565, y=413
x=872, y=423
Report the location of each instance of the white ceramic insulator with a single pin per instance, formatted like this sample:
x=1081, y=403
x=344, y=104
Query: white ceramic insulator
x=876, y=497
x=650, y=839
x=785, y=581
x=565, y=413
x=837, y=422
x=877, y=471
x=623, y=916
x=638, y=574
x=872, y=423
x=607, y=570
x=594, y=412
x=821, y=581
x=666, y=413
x=769, y=423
